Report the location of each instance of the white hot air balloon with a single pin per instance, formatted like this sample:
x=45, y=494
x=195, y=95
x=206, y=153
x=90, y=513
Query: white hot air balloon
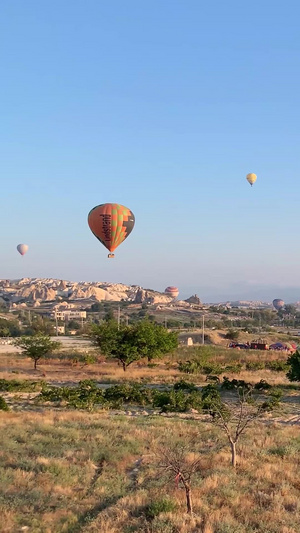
x=22, y=248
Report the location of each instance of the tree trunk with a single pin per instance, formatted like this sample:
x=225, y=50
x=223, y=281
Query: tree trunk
x=35, y=363
x=124, y=366
x=233, y=453
x=188, y=493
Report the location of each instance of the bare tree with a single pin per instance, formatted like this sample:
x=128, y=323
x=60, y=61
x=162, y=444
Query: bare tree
x=235, y=417
x=180, y=465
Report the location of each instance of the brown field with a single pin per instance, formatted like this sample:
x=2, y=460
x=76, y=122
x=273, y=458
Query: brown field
x=65, y=470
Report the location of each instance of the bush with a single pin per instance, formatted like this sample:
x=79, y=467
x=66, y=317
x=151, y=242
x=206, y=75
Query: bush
x=262, y=385
x=157, y=507
x=294, y=363
x=135, y=394
x=232, y=334
x=255, y=365
x=177, y=401
x=184, y=385
x=235, y=384
x=235, y=368
x=190, y=367
x=14, y=385
x=277, y=366
x=3, y=405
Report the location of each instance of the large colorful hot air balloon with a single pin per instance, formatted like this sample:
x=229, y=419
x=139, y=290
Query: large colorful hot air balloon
x=172, y=291
x=251, y=178
x=111, y=224
x=278, y=304
x=22, y=248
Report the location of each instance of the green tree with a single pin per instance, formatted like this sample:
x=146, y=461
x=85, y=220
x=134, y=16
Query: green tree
x=131, y=343
x=294, y=362
x=154, y=340
x=37, y=346
x=116, y=342
x=42, y=325
x=232, y=334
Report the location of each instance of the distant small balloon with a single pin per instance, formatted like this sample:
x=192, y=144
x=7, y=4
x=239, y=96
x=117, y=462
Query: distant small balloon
x=251, y=178
x=22, y=248
x=278, y=303
x=172, y=291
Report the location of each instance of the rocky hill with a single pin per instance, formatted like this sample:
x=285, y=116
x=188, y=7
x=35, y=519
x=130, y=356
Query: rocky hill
x=40, y=290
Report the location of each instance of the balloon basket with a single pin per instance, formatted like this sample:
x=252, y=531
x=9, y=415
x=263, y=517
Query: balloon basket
x=110, y=256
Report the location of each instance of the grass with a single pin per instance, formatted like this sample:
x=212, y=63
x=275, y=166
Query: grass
x=72, y=471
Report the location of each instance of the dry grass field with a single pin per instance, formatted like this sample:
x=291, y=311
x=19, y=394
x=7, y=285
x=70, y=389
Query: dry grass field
x=66, y=470
x=73, y=471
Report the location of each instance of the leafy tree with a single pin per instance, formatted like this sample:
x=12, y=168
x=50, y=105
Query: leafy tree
x=117, y=342
x=131, y=343
x=9, y=328
x=232, y=334
x=109, y=315
x=42, y=325
x=294, y=362
x=4, y=332
x=73, y=324
x=290, y=309
x=37, y=346
x=154, y=340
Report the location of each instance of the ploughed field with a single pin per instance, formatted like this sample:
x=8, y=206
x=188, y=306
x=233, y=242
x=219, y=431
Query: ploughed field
x=83, y=444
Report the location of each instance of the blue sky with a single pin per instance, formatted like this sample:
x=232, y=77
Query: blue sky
x=163, y=106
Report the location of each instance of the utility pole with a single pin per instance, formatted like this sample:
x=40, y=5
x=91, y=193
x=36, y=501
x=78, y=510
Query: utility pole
x=202, y=329
x=166, y=322
x=56, y=323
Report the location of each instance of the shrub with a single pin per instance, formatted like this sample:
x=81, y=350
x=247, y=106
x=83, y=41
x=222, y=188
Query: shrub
x=190, y=367
x=232, y=334
x=157, y=507
x=184, y=385
x=277, y=366
x=255, y=365
x=3, y=405
x=262, y=385
x=294, y=363
x=177, y=401
x=15, y=385
x=135, y=394
x=235, y=384
x=235, y=368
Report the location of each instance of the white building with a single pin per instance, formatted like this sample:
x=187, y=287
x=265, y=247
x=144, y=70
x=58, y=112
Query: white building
x=69, y=315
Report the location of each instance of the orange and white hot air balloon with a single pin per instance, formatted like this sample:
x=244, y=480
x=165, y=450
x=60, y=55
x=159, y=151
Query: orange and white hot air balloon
x=111, y=224
x=22, y=248
x=251, y=178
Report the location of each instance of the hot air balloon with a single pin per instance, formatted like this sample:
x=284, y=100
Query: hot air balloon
x=172, y=291
x=251, y=178
x=278, y=304
x=22, y=248
x=111, y=224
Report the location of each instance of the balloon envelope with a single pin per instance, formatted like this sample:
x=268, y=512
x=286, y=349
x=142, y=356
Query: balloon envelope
x=251, y=178
x=22, y=248
x=172, y=291
x=278, y=303
x=111, y=224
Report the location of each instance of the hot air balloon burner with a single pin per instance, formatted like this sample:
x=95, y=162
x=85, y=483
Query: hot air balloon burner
x=111, y=256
